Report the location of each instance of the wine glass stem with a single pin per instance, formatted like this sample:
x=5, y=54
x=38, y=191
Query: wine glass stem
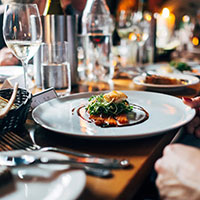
x=140, y=55
x=25, y=66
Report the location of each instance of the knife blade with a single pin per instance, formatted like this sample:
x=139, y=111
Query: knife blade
x=25, y=160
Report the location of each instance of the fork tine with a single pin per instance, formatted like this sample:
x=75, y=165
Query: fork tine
x=12, y=142
x=2, y=149
x=19, y=139
x=22, y=141
x=4, y=146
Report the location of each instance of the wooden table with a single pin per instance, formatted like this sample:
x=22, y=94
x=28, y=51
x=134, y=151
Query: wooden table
x=142, y=153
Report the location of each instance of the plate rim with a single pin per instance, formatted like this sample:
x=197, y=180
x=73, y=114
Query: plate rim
x=111, y=137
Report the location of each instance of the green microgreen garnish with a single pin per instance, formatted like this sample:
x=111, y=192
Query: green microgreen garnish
x=98, y=105
x=181, y=66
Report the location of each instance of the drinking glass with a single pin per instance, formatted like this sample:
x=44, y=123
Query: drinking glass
x=22, y=31
x=133, y=27
x=140, y=32
x=126, y=49
x=55, y=69
x=124, y=24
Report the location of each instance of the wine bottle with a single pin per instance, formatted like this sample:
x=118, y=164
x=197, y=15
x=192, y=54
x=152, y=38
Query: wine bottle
x=142, y=5
x=97, y=26
x=54, y=7
x=53, y=31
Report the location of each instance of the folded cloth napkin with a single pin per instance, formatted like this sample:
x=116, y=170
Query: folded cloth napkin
x=10, y=82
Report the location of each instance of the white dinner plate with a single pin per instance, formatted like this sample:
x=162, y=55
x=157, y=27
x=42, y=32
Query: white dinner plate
x=191, y=80
x=165, y=113
x=42, y=182
x=195, y=71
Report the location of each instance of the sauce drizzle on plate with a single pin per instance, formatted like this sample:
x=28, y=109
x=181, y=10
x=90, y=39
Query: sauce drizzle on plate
x=137, y=116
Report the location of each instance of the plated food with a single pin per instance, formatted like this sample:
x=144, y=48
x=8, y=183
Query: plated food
x=61, y=116
x=111, y=110
x=164, y=80
x=175, y=67
x=181, y=66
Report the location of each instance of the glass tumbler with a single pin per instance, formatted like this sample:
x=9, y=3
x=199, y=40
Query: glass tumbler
x=55, y=68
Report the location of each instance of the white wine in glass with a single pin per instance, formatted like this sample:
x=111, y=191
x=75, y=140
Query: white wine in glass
x=140, y=33
x=124, y=24
x=22, y=31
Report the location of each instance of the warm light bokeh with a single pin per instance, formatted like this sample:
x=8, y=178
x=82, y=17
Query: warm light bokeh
x=195, y=41
x=126, y=4
x=165, y=12
x=186, y=18
x=147, y=17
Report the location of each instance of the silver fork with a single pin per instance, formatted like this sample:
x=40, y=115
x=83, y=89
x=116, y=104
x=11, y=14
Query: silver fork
x=17, y=142
x=7, y=145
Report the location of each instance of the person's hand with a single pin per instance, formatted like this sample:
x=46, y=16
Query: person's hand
x=178, y=173
x=194, y=126
x=7, y=58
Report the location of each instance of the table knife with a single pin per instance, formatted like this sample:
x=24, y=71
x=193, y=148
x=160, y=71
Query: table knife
x=25, y=160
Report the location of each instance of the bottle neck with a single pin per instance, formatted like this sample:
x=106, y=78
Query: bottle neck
x=55, y=7
x=142, y=5
x=96, y=18
x=96, y=7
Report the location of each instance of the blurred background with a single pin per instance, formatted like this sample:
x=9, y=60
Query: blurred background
x=173, y=28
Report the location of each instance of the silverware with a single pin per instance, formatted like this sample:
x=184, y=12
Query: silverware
x=29, y=160
x=16, y=142
x=33, y=159
x=7, y=159
x=11, y=141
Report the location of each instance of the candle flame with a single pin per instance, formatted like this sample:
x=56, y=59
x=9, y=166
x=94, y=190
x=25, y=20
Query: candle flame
x=165, y=12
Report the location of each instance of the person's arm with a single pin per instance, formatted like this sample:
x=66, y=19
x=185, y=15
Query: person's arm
x=178, y=173
x=7, y=58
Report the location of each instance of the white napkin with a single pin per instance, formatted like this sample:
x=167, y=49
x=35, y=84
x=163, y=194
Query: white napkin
x=10, y=82
x=15, y=74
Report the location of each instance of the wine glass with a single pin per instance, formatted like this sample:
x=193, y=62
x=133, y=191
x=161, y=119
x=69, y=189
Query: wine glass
x=22, y=31
x=124, y=24
x=126, y=49
x=140, y=32
x=133, y=28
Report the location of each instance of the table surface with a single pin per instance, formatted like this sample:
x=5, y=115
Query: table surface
x=142, y=153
